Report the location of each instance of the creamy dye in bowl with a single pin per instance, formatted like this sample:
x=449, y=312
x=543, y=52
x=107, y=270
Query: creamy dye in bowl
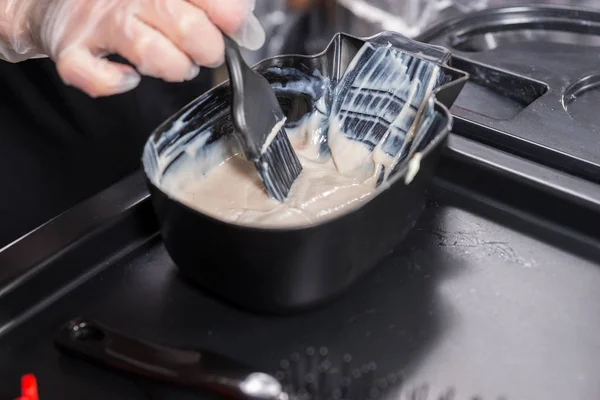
x=350, y=148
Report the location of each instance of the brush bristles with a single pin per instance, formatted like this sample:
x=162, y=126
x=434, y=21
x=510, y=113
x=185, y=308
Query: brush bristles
x=279, y=167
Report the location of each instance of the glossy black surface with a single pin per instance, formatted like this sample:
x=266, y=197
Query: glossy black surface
x=549, y=46
x=492, y=292
x=290, y=270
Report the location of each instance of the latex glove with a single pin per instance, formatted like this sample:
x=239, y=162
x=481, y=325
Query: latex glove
x=166, y=39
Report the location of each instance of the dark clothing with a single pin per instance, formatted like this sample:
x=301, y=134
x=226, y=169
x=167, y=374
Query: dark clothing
x=59, y=147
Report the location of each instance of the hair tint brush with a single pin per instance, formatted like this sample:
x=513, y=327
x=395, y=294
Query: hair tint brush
x=259, y=125
x=184, y=368
x=307, y=375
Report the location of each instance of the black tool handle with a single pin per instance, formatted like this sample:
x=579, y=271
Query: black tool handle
x=238, y=70
x=191, y=369
x=236, y=66
x=255, y=109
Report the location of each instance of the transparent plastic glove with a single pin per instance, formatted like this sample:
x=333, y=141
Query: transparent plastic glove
x=167, y=39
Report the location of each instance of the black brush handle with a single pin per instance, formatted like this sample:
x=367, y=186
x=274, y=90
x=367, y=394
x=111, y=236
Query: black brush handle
x=238, y=70
x=236, y=66
x=255, y=109
x=235, y=63
x=191, y=369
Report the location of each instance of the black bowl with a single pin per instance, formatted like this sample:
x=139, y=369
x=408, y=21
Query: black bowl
x=285, y=270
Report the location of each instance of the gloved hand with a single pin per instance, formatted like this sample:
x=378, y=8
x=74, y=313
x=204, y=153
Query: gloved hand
x=166, y=39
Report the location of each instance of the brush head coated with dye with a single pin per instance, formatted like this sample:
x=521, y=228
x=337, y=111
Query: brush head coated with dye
x=258, y=120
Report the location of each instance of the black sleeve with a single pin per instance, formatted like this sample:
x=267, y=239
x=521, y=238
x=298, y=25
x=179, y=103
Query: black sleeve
x=58, y=146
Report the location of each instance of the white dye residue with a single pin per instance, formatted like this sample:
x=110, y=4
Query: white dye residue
x=368, y=130
x=272, y=135
x=233, y=191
